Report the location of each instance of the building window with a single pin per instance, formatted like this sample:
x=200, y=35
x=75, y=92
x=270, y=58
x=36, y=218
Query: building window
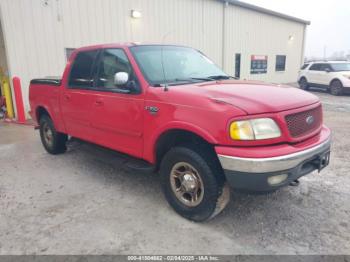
x=280, y=63
x=238, y=66
x=69, y=51
x=258, y=64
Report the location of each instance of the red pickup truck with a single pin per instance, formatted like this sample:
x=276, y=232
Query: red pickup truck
x=177, y=113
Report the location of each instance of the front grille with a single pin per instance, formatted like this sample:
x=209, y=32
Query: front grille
x=300, y=124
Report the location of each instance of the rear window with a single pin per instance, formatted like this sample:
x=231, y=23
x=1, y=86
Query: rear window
x=81, y=75
x=340, y=67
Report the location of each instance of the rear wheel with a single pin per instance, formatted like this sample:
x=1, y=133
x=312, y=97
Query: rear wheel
x=193, y=184
x=336, y=88
x=303, y=84
x=53, y=141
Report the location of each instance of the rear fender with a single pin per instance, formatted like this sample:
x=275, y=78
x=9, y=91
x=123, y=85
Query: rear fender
x=53, y=114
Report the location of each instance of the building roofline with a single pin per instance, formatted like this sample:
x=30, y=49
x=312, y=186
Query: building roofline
x=265, y=11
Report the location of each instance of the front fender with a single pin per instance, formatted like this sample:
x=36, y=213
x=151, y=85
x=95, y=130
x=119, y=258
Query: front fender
x=150, y=144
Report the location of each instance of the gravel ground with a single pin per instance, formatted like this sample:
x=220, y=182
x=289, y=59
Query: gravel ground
x=82, y=202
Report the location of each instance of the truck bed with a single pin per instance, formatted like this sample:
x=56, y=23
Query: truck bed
x=44, y=93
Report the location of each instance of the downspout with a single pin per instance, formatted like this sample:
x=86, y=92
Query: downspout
x=303, y=47
x=224, y=35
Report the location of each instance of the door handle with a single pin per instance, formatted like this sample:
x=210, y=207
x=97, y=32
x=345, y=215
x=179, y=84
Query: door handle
x=98, y=102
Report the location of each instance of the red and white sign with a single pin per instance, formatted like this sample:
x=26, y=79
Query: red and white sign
x=258, y=64
x=259, y=57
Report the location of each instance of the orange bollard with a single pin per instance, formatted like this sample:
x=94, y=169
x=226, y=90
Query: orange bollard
x=21, y=118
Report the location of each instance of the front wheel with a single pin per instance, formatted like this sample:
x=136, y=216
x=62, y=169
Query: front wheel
x=53, y=141
x=193, y=184
x=303, y=84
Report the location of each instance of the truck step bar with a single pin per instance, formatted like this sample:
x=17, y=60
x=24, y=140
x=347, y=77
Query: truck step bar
x=139, y=166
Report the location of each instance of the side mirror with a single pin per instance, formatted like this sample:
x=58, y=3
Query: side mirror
x=327, y=70
x=121, y=78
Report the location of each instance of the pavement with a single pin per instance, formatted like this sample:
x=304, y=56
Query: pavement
x=83, y=202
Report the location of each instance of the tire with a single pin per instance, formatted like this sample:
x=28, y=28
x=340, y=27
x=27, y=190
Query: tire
x=336, y=88
x=212, y=194
x=303, y=84
x=53, y=141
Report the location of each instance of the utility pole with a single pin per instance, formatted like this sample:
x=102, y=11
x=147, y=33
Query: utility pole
x=324, y=52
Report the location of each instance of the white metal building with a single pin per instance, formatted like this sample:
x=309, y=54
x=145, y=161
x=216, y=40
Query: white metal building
x=246, y=40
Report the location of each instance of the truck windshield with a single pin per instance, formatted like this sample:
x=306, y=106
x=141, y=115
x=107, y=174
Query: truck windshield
x=340, y=67
x=175, y=65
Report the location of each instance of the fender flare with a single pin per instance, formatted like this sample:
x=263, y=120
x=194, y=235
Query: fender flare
x=329, y=85
x=51, y=115
x=151, y=146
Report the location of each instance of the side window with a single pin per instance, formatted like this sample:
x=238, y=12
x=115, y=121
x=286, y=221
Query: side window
x=325, y=67
x=81, y=75
x=280, y=63
x=112, y=61
x=315, y=67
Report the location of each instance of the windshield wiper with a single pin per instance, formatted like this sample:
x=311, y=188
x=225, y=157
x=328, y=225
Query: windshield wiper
x=220, y=77
x=180, y=81
x=173, y=82
x=203, y=78
x=190, y=79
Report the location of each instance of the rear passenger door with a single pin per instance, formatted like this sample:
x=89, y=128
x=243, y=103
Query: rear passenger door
x=117, y=111
x=77, y=98
x=325, y=75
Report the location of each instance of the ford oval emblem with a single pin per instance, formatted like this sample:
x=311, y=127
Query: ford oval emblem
x=310, y=120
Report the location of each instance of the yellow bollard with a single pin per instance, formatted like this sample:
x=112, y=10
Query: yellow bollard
x=2, y=86
x=1, y=81
x=8, y=98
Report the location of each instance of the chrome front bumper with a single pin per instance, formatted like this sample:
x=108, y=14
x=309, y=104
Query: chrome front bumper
x=271, y=164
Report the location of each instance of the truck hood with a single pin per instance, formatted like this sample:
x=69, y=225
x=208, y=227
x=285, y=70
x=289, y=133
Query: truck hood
x=255, y=97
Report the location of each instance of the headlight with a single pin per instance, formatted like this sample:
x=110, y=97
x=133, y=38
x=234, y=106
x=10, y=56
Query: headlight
x=254, y=129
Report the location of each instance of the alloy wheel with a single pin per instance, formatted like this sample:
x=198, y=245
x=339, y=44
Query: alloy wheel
x=186, y=184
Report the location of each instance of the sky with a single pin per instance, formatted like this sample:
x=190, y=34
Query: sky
x=330, y=22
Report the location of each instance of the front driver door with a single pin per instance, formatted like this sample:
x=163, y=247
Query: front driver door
x=313, y=74
x=117, y=111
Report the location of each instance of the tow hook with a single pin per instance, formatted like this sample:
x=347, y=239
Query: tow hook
x=294, y=183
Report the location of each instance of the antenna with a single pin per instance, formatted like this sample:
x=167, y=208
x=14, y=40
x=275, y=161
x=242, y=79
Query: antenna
x=162, y=60
x=162, y=63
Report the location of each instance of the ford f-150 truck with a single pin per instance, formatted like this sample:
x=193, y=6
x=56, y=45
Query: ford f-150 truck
x=173, y=111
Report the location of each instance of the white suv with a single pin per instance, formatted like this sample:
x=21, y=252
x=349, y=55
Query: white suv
x=333, y=75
